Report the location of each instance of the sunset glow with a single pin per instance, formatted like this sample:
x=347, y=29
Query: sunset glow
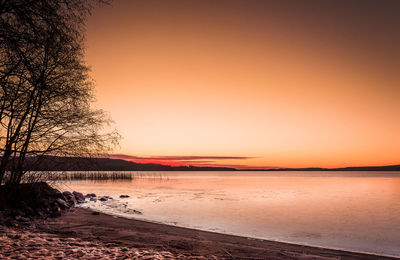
x=250, y=83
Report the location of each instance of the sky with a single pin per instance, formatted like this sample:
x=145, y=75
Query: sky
x=250, y=83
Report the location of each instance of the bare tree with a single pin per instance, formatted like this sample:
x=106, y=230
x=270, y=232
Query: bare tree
x=46, y=90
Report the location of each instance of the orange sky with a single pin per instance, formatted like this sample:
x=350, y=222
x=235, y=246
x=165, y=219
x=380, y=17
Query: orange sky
x=284, y=83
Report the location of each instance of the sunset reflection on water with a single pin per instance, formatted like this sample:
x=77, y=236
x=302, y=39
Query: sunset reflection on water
x=354, y=210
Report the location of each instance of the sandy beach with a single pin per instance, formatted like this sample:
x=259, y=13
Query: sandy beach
x=80, y=233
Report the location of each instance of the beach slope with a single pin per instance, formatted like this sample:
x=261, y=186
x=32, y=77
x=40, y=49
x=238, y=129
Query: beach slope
x=82, y=234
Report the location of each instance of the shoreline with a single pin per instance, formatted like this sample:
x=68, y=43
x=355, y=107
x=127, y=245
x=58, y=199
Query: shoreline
x=249, y=237
x=138, y=238
x=262, y=239
x=256, y=238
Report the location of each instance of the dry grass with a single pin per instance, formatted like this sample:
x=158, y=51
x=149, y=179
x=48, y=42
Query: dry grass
x=50, y=176
x=90, y=176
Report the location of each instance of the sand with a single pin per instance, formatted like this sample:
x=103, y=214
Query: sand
x=79, y=234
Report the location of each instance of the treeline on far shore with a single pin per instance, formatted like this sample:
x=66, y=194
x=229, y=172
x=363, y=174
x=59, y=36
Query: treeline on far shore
x=55, y=163
x=85, y=164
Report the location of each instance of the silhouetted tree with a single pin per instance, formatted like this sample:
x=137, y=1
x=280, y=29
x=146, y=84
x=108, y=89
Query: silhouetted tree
x=46, y=90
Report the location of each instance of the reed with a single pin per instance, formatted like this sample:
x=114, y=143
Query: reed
x=50, y=176
x=81, y=175
x=92, y=176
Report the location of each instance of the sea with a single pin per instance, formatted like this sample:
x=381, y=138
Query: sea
x=355, y=211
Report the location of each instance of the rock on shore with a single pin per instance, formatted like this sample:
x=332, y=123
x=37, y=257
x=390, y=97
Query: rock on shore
x=25, y=202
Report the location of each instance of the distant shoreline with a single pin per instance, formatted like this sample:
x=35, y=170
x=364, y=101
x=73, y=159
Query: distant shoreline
x=52, y=163
x=345, y=169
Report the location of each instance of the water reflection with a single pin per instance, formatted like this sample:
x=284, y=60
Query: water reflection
x=356, y=211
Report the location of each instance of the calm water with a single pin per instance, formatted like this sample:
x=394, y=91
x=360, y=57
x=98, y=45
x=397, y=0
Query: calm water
x=357, y=211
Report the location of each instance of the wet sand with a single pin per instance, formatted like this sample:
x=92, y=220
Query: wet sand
x=80, y=234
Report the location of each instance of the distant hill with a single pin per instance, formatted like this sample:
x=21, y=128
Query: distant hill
x=362, y=168
x=51, y=163
x=370, y=168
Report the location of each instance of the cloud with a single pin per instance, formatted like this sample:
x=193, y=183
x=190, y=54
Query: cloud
x=179, y=158
x=184, y=160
